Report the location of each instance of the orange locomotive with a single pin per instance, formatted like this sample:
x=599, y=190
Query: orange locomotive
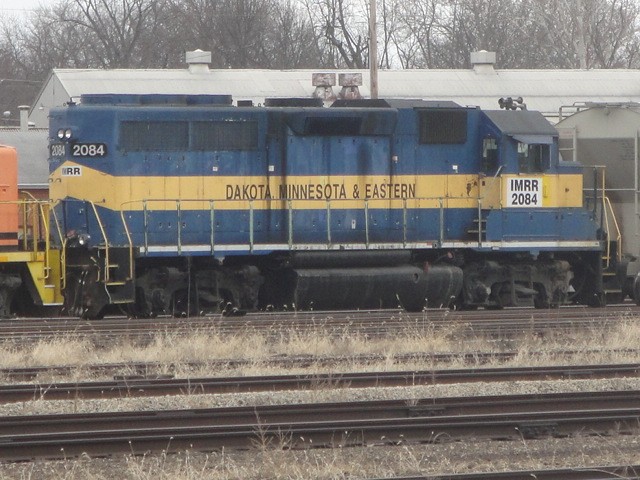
x=30, y=271
x=8, y=197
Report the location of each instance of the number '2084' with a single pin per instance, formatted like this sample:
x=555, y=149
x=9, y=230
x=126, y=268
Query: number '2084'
x=88, y=150
x=527, y=198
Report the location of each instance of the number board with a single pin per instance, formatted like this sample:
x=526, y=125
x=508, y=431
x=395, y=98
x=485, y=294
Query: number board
x=88, y=149
x=57, y=149
x=524, y=192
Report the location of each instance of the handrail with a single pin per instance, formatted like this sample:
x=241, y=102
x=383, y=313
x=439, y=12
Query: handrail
x=63, y=249
x=212, y=217
x=106, y=240
x=130, y=240
x=35, y=228
x=496, y=183
x=600, y=195
x=47, y=240
x=216, y=205
x=179, y=225
x=618, y=233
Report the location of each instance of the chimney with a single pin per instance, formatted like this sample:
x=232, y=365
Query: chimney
x=198, y=61
x=323, y=83
x=483, y=62
x=350, y=83
x=24, y=117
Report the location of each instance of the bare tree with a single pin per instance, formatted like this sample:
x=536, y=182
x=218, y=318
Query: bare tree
x=246, y=33
x=343, y=25
x=613, y=32
x=43, y=42
x=118, y=33
x=291, y=38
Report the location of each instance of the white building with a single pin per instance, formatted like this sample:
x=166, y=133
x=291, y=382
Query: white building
x=482, y=85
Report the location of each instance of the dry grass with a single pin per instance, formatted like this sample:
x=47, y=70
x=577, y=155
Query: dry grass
x=208, y=344
x=274, y=462
x=347, y=463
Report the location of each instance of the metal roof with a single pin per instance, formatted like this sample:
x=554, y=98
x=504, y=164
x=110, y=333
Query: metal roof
x=542, y=90
x=31, y=145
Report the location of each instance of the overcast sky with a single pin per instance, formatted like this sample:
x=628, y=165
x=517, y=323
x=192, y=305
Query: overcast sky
x=18, y=6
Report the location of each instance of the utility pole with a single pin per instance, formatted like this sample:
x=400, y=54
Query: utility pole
x=373, y=50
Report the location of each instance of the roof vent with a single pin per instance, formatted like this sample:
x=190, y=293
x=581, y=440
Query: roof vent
x=323, y=83
x=24, y=117
x=483, y=62
x=350, y=83
x=198, y=61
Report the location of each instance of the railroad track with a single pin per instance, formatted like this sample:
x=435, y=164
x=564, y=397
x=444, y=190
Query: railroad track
x=618, y=472
x=142, y=370
x=321, y=425
x=138, y=387
x=367, y=323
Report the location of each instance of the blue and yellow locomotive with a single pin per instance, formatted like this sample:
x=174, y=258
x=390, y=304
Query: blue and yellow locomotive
x=182, y=204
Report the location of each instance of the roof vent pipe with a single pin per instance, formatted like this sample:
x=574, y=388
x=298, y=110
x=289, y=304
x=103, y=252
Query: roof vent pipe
x=24, y=117
x=483, y=62
x=198, y=61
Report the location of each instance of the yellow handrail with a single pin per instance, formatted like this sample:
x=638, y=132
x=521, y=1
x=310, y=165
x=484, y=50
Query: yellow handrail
x=129, y=239
x=607, y=202
x=63, y=249
x=106, y=241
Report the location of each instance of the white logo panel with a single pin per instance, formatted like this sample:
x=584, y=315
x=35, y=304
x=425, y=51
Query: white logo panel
x=524, y=192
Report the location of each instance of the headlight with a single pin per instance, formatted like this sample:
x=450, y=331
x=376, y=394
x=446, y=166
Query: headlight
x=65, y=133
x=83, y=239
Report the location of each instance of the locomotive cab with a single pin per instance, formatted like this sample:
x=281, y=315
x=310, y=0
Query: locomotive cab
x=527, y=196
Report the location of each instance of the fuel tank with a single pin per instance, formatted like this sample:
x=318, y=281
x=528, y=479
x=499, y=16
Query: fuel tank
x=399, y=286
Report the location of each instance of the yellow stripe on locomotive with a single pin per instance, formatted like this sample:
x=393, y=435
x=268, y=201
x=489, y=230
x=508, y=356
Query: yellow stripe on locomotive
x=308, y=192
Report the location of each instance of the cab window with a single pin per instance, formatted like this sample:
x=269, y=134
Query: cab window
x=533, y=158
x=489, y=154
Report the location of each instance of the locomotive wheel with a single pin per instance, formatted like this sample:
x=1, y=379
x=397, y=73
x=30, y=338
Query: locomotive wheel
x=598, y=300
x=459, y=304
x=140, y=308
x=93, y=314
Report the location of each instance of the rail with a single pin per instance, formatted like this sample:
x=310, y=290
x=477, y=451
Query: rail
x=331, y=425
x=490, y=197
x=104, y=236
x=609, y=208
x=130, y=241
x=154, y=387
x=107, y=245
x=150, y=206
x=34, y=231
x=608, y=220
x=63, y=249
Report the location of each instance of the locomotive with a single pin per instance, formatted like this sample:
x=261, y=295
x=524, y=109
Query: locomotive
x=189, y=204
x=30, y=275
